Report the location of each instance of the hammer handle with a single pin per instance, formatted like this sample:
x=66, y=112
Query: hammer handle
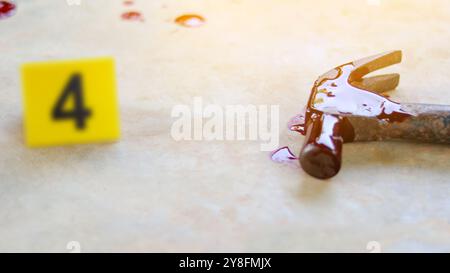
x=428, y=123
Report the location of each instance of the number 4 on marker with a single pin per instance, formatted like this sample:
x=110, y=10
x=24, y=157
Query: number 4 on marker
x=78, y=113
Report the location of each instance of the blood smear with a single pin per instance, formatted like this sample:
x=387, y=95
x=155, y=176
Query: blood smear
x=284, y=156
x=297, y=123
x=132, y=16
x=7, y=9
x=190, y=20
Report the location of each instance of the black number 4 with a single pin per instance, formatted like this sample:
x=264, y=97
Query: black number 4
x=79, y=113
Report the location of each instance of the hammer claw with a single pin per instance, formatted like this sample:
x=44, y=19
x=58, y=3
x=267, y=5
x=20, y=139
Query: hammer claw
x=369, y=64
x=378, y=84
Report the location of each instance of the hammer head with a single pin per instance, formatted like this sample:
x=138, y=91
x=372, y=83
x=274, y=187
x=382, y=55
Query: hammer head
x=343, y=90
x=337, y=94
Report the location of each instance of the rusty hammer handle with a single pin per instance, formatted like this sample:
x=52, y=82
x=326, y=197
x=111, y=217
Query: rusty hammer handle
x=429, y=123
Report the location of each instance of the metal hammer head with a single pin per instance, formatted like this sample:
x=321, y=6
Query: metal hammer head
x=338, y=94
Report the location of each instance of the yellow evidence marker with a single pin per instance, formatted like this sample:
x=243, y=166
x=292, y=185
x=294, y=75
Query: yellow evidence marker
x=70, y=102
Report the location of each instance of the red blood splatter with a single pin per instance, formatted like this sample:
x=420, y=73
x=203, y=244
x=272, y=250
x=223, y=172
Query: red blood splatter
x=7, y=9
x=132, y=16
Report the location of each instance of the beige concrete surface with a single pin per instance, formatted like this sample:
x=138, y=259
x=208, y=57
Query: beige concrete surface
x=151, y=193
